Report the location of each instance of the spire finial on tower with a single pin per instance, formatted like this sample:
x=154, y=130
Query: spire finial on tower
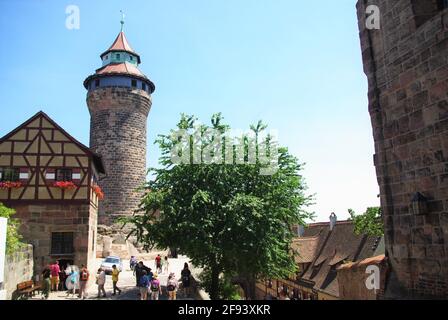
x=122, y=20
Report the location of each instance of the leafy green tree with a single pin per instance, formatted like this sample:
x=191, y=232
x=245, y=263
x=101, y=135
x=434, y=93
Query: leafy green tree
x=13, y=238
x=369, y=223
x=226, y=216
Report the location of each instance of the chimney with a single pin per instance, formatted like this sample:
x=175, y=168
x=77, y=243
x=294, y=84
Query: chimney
x=300, y=230
x=333, y=219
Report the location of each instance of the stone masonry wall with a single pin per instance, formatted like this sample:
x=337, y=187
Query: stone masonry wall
x=37, y=222
x=407, y=71
x=118, y=134
x=18, y=268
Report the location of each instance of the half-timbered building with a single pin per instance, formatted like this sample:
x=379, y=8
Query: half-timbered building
x=50, y=179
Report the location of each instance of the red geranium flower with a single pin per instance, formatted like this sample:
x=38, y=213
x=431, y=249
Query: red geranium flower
x=97, y=190
x=64, y=184
x=10, y=185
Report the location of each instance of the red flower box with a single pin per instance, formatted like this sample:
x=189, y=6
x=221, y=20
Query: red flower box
x=97, y=190
x=64, y=185
x=10, y=185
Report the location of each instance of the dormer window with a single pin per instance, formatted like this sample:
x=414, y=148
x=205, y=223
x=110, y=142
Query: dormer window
x=64, y=174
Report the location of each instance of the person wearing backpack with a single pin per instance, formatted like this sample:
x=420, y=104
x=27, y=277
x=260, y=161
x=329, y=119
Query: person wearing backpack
x=143, y=285
x=155, y=287
x=138, y=271
x=171, y=286
x=186, y=274
x=83, y=279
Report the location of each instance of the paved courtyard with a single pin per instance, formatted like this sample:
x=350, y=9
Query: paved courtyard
x=127, y=282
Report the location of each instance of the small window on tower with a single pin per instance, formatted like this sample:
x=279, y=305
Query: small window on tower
x=130, y=57
x=107, y=57
x=143, y=86
x=134, y=83
x=97, y=83
x=117, y=56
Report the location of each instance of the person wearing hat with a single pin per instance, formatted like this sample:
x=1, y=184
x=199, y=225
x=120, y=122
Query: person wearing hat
x=156, y=289
x=171, y=286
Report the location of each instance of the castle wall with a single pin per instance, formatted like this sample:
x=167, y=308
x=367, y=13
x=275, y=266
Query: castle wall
x=406, y=66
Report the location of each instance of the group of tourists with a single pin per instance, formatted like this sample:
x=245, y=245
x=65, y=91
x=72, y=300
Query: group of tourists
x=71, y=279
x=149, y=284
x=75, y=279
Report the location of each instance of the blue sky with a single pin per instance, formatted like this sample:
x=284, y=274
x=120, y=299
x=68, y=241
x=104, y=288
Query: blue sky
x=295, y=64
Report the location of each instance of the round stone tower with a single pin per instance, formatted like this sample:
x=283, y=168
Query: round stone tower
x=119, y=100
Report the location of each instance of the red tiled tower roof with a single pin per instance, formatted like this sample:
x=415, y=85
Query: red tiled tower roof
x=121, y=44
x=124, y=67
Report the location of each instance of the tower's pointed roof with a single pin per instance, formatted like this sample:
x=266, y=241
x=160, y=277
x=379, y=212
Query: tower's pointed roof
x=121, y=44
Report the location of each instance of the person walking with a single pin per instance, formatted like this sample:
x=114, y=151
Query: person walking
x=83, y=280
x=132, y=263
x=46, y=282
x=159, y=264
x=54, y=271
x=101, y=281
x=156, y=289
x=166, y=265
x=171, y=286
x=74, y=280
x=144, y=285
x=62, y=278
x=138, y=272
x=186, y=275
x=115, y=273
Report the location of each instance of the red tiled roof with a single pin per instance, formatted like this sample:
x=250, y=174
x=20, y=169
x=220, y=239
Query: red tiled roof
x=124, y=67
x=121, y=44
x=334, y=247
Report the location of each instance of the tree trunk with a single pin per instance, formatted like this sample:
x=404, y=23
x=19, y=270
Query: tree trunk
x=247, y=283
x=249, y=287
x=214, y=287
